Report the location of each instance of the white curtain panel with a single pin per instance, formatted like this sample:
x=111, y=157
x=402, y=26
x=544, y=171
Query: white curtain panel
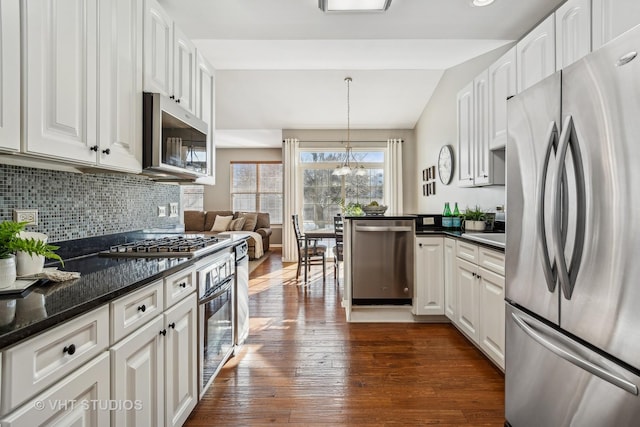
x=393, y=180
x=291, y=156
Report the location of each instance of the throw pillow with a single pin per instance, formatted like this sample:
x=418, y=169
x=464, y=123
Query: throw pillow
x=221, y=223
x=251, y=220
x=236, y=224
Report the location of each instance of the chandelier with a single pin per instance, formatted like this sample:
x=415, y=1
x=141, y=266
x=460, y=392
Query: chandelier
x=347, y=167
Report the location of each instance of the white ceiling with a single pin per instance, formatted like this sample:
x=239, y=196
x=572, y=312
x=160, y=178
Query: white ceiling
x=281, y=64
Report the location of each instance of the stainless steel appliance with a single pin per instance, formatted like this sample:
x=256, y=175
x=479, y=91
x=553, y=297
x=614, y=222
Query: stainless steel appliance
x=175, y=142
x=216, y=283
x=185, y=246
x=242, y=293
x=382, y=259
x=573, y=244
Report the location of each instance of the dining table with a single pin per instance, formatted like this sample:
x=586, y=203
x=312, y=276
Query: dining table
x=317, y=234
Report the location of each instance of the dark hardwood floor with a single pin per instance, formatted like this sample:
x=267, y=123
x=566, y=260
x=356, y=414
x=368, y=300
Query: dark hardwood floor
x=304, y=365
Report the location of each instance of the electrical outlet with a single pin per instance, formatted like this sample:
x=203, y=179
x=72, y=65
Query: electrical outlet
x=30, y=216
x=162, y=211
x=173, y=209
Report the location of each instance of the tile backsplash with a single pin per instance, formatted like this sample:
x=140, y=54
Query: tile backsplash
x=73, y=206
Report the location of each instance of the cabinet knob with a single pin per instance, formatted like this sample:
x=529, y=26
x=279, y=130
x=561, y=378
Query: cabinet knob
x=486, y=176
x=69, y=350
x=142, y=308
x=172, y=325
x=172, y=97
x=94, y=148
x=107, y=151
x=183, y=285
x=163, y=332
x=420, y=244
x=473, y=274
x=478, y=276
x=178, y=101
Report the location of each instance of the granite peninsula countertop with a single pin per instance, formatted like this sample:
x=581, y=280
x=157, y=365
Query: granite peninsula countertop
x=103, y=279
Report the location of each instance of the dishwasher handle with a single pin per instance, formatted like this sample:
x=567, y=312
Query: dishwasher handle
x=377, y=228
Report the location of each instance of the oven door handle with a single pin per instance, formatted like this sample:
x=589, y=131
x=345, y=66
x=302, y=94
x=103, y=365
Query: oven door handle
x=224, y=287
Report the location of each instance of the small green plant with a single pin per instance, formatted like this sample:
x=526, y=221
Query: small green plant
x=475, y=214
x=350, y=209
x=10, y=242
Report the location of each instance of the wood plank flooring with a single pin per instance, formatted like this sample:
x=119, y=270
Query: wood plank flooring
x=304, y=365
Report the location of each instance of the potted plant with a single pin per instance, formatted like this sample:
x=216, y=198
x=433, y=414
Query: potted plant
x=351, y=209
x=474, y=219
x=12, y=242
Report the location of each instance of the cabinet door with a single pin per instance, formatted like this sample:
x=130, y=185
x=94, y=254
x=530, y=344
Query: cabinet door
x=536, y=54
x=492, y=315
x=137, y=366
x=205, y=107
x=158, y=49
x=60, y=73
x=465, y=136
x=120, y=106
x=502, y=84
x=613, y=17
x=450, y=290
x=481, y=167
x=468, y=298
x=429, y=276
x=181, y=366
x=573, y=32
x=74, y=401
x=10, y=75
x=184, y=70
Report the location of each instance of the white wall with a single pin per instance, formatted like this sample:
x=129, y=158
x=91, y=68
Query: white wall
x=437, y=127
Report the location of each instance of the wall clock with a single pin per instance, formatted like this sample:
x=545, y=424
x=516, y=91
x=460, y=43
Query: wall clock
x=445, y=164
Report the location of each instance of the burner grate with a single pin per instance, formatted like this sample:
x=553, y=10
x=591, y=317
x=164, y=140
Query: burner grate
x=165, y=246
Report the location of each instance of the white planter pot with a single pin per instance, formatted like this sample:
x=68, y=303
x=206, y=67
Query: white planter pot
x=30, y=264
x=473, y=225
x=7, y=271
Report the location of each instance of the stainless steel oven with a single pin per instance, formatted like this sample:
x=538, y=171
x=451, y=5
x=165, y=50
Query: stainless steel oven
x=216, y=282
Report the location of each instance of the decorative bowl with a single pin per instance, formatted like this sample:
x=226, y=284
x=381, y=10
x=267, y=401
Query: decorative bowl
x=374, y=210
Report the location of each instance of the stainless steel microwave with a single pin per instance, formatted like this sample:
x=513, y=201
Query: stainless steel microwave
x=175, y=142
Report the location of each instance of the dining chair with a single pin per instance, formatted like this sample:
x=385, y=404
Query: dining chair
x=338, y=226
x=315, y=253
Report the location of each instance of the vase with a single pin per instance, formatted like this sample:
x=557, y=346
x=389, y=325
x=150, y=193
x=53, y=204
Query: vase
x=473, y=225
x=30, y=264
x=7, y=271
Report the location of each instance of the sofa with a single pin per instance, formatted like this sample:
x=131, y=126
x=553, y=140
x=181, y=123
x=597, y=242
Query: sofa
x=202, y=222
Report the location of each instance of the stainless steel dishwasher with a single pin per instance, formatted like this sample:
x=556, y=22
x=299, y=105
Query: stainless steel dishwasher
x=382, y=260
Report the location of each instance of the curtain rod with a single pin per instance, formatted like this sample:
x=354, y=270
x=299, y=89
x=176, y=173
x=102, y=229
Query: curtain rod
x=342, y=142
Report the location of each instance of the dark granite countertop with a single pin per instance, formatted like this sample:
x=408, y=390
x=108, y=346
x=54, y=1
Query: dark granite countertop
x=102, y=280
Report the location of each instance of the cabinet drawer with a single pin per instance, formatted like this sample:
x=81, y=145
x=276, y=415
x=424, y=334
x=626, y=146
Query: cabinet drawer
x=491, y=260
x=36, y=364
x=467, y=251
x=135, y=309
x=179, y=285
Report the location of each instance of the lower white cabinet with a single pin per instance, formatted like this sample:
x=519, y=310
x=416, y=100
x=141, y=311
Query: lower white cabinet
x=450, y=290
x=429, y=295
x=491, y=314
x=468, y=298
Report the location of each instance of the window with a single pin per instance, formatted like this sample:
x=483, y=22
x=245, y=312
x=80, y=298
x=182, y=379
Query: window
x=323, y=192
x=257, y=187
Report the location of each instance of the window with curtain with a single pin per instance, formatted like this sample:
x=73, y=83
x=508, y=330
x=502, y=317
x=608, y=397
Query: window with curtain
x=257, y=187
x=324, y=192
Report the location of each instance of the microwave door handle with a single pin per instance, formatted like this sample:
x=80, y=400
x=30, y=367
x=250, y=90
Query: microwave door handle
x=549, y=270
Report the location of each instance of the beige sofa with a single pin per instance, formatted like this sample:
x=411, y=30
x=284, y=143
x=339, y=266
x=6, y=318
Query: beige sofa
x=202, y=222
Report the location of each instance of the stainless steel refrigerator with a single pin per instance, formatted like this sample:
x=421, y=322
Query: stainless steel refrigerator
x=573, y=244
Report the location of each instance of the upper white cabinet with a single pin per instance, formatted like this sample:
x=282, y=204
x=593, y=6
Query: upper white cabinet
x=502, y=84
x=536, y=54
x=465, y=135
x=184, y=70
x=120, y=108
x=61, y=79
x=10, y=75
x=573, y=32
x=205, y=105
x=429, y=276
x=613, y=17
x=158, y=49
x=481, y=129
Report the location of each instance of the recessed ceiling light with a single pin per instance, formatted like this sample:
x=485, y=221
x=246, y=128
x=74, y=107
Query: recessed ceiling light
x=481, y=3
x=353, y=5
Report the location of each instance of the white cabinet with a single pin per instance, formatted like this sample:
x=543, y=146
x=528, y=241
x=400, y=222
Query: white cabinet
x=573, y=32
x=491, y=320
x=465, y=135
x=502, y=84
x=158, y=49
x=205, y=106
x=481, y=128
x=450, y=291
x=536, y=54
x=611, y=18
x=120, y=85
x=184, y=70
x=468, y=299
x=429, y=263
x=10, y=75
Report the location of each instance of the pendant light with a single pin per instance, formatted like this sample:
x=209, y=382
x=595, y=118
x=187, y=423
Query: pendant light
x=346, y=167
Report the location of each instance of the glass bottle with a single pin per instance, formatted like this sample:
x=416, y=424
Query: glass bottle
x=447, y=219
x=456, y=217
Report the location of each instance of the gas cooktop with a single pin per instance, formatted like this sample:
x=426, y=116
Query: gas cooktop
x=184, y=246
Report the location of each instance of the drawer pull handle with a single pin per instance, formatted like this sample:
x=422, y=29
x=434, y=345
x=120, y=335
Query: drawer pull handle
x=69, y=350
x=183, y=285
x=142, y=308
x=107, y=151
x=172, y=325
x=163, y=332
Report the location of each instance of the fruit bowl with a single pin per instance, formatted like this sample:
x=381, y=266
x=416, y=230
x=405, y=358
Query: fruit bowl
x=374, y=210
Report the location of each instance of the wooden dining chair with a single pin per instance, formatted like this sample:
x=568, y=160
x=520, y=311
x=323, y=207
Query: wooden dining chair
x=338, y=226
x=315, y=253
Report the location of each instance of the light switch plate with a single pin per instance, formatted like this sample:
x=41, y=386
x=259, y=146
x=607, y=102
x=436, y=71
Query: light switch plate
x=162, y=211
x=30, y=216
x=173, y=209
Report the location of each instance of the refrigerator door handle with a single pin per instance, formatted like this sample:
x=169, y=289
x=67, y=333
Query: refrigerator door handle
x=567, y=274
x=574, y=359
x=550, y=271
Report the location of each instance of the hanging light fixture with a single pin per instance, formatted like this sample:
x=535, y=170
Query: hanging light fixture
x=347, y=167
